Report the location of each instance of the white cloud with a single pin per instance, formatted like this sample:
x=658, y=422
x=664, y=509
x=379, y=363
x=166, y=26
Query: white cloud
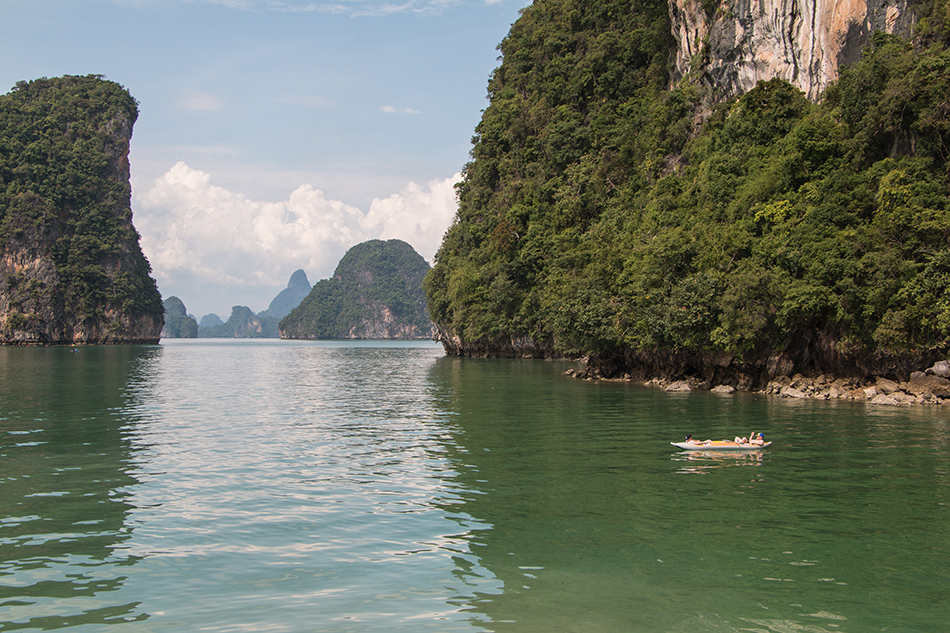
x=416, y=214
x=200, y=101
x=207, y=243
x=394, y=110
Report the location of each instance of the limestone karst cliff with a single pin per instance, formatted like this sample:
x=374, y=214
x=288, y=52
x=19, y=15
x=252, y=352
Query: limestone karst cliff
x=71, y=269
x=178, y=323
x=731, y=192
x=375, y=293
x=242, y=323
x=734, y=44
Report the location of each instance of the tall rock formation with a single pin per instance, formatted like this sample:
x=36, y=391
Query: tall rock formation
x=290, y=297
x=649, y=221
x=805, y=42
x=71, y=269
x=178, y=323
x=375, y=293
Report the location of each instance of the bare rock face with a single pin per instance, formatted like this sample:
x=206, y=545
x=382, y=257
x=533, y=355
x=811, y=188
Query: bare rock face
x=804, y=42
x=511, y=346
x=385, y=324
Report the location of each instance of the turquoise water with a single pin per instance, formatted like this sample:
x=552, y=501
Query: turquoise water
x=295, y=486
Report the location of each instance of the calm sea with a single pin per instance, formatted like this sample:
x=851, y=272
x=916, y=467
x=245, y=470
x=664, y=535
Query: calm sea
x=309, y=486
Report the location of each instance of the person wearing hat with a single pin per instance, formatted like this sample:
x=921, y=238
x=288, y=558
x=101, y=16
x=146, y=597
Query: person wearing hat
x=757, y=440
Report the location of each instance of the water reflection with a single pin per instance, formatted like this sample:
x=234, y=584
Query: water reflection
x=308, y=487
x=842, y=525
x=65, y=484
x=302, y=487
x=701, y=462
x=555, y=476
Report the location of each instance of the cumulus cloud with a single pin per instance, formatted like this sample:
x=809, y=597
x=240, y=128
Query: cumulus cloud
x=205, y=241
x=416, y=214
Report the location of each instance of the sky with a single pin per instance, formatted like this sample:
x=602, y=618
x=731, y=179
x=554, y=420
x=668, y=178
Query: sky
x=273, y=135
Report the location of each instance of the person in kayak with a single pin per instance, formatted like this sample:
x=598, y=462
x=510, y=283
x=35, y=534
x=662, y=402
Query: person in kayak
x=757, y=440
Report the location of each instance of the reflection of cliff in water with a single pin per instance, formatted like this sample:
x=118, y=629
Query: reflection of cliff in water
x=66, y=470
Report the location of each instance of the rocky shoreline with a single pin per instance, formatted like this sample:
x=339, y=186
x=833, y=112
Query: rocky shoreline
x=928, y=387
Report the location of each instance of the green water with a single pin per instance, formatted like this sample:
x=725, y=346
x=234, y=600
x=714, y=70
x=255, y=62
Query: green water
x=291, y=486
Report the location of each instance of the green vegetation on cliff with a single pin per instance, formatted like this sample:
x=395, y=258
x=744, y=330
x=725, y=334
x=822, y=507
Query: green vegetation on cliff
x=605, y=213
x=64, y=201
x=375, y=293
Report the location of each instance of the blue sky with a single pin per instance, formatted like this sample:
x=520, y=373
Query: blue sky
x=273, y=135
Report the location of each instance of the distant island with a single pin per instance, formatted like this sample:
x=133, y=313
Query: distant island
x=242, y=323
x=375, y=293
x=209, y=321
x=290, y=297
x=178, y=323
x=71, y=268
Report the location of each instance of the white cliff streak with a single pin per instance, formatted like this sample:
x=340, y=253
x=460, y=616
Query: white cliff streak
x=801, y=41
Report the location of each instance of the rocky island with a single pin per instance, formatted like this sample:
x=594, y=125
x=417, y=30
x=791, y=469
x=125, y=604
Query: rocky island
x=712, y=195
x=242, y=323
x=290, y=297
x=71, y=269
x=178, y=323
x=375, y=293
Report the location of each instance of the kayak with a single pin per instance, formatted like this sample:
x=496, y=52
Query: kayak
x=718, y=445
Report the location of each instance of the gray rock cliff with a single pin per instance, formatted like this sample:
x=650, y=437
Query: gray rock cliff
x=802, y=41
